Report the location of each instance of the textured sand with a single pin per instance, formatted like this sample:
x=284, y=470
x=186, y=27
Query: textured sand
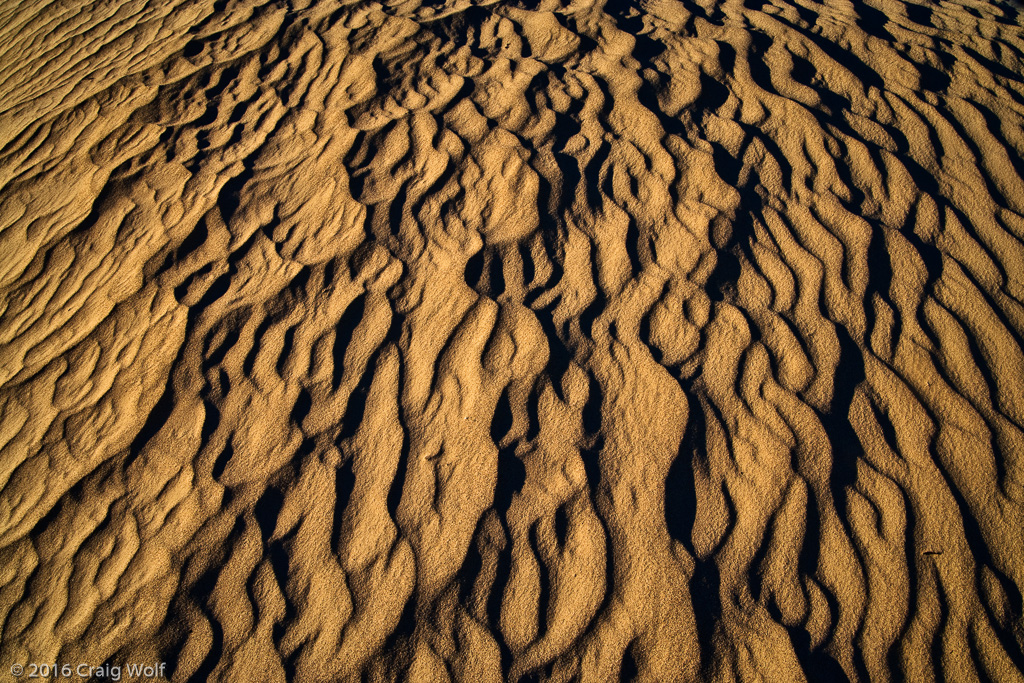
x=476, y=341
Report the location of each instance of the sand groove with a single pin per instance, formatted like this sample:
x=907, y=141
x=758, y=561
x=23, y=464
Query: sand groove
x=656, y=340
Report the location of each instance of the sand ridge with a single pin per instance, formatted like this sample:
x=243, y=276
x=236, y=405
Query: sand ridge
x=655, y=340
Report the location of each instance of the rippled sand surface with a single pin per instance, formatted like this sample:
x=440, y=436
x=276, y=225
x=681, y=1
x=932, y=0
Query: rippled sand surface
x=647, y=340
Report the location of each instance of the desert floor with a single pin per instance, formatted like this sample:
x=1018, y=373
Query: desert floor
x=653, y=340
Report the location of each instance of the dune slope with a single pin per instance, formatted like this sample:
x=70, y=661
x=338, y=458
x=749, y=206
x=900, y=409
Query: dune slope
x=655, y=340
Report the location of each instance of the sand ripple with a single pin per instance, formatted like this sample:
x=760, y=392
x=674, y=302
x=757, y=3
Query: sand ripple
x=657, y=340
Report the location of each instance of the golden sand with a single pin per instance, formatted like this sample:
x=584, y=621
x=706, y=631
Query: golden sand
x=653, y=340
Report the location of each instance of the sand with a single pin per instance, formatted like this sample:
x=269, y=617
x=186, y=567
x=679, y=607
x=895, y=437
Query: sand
x=653, y=340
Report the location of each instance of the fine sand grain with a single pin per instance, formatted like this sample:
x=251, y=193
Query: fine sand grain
x=654, y=340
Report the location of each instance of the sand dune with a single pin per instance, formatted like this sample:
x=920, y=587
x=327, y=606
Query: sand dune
x=654, y=340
